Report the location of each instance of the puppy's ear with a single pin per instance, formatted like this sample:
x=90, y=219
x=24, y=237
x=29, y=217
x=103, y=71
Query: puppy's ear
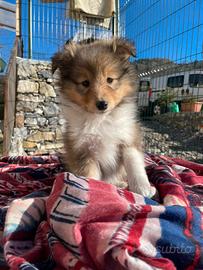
x=123, y=48
x=61, y=59
x=56, y=61
x=70, y=48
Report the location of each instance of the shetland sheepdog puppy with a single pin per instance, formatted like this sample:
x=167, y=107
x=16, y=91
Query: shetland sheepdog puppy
x=103, y=137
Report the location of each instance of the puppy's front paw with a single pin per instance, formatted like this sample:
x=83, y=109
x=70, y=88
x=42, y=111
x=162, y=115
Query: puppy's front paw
x=142, y=187
x=148, y=191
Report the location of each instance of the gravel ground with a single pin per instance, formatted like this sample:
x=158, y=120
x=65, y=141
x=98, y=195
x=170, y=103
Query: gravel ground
x=160, y=139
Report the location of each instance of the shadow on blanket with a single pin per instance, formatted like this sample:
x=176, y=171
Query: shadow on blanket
x=87, y=224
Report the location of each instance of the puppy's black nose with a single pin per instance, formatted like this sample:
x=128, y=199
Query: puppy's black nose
x=102, y=105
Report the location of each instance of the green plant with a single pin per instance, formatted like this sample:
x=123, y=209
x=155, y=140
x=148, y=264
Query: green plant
x=166, y=97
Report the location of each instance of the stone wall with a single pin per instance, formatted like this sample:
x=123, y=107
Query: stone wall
x=39, y=123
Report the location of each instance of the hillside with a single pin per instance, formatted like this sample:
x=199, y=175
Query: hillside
x=161, y=65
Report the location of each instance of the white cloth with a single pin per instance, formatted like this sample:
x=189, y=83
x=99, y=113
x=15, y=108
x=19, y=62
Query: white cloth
x=96, y=8
x=93, y=12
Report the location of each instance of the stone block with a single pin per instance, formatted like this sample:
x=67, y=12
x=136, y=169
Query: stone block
x=49, y=80
x=52, y=146
x=41, y=136
x=53, y=121
x=30, y=97
x=48, y=135
x=39, y=111
x=46, y=89
x=20, y=118
x=26, y=106
x=26, y=86
x=42, y=121
x=45, y=73
x=29, y=144
x=51, y=110
x=35, y=137
x=31, y=121
x=26, y=69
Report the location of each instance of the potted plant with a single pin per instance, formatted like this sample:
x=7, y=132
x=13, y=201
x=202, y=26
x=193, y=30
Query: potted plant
x=164, y=99
x=191, y=104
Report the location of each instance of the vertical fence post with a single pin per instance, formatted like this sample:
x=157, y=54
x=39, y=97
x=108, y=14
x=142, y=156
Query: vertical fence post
x=116, y=19
x=19, y=28
x=117, y=22
x=113, y=24
x=29, y=28
x=18, y=18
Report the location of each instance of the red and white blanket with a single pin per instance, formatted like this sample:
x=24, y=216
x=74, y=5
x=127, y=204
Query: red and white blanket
x=88, y=224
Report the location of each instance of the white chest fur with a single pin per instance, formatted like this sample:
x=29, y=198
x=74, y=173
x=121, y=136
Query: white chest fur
x=101, y=133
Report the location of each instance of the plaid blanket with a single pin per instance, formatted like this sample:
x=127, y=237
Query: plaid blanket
x=86, y=224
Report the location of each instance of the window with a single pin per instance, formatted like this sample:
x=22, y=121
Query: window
x=196, y=80
x=176, y=81
x=144, y=86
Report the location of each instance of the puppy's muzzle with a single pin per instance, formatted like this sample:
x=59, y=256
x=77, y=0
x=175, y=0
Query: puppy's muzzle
x=102, y=105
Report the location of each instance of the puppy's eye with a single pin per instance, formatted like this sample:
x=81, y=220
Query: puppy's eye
x=109, y=80
x=86, y=83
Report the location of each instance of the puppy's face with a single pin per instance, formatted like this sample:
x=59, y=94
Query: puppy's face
x=96, y=76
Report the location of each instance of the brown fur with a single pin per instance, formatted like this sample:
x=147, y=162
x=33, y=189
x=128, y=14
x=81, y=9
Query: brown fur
x=95, y=62
x=86, y=73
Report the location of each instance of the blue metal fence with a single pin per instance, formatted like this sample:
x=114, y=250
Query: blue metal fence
x=46, y=27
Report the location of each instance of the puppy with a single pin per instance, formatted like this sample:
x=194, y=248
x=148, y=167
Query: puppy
x=103, y=138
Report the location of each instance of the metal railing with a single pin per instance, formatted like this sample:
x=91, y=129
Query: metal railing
x=45, y=27
x=169, y=42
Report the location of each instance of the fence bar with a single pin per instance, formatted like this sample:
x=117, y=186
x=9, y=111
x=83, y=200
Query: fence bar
x=29, y=28
x=18, y=18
